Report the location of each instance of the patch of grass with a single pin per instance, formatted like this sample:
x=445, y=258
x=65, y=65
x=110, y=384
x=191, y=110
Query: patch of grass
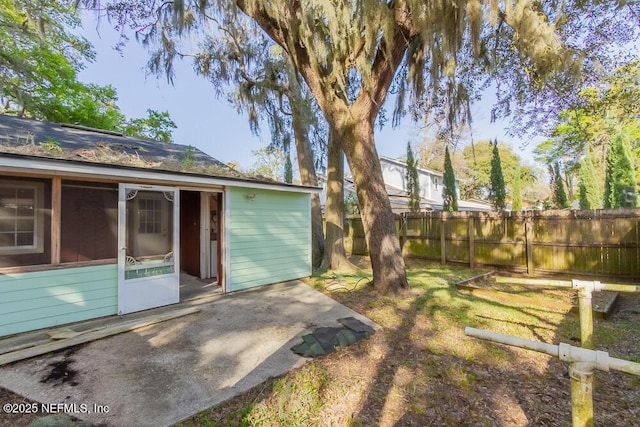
x=292, y=403
x=421, y=369
x=51, y=145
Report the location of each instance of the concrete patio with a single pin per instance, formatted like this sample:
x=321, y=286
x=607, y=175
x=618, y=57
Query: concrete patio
x=164, y=373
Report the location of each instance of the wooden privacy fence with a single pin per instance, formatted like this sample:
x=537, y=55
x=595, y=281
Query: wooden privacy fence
x=600, y=242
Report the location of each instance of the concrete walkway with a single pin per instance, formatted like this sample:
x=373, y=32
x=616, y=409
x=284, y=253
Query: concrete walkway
x=164, y=373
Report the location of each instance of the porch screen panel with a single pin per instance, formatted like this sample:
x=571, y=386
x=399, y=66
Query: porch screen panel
x=150, y=242
x=89, y=221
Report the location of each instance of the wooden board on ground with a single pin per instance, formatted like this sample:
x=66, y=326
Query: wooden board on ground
x=63, y=334
x=93, y=335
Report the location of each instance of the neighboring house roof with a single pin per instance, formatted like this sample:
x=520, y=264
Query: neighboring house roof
x=404, y=165
x=474, y=205
x=36, y=139
x=399, y=198
x=431, y=198
x=400, y=202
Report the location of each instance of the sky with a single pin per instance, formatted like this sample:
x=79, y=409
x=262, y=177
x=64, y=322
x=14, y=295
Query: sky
x=211, y=124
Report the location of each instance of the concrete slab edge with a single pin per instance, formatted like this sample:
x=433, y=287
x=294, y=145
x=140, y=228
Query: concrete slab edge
x=93, y=335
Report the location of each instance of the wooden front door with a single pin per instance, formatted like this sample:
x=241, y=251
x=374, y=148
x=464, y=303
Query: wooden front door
x=190, y=232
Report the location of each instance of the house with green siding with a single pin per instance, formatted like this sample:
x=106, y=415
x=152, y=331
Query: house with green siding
x=94, y=223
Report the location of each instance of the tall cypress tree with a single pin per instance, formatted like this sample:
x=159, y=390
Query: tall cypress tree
x=607, y=197
x=516, y=189
x=559, y=193
x=413, y=184
x=626, y=184
x=497, y=193
x=589, y=194
x=288, y=169
x=449, y=195
x=620, y=177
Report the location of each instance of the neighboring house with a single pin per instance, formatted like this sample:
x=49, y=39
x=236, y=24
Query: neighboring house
x=431, y=183
x=399, y=199
x=94, y=224
x=394, y=173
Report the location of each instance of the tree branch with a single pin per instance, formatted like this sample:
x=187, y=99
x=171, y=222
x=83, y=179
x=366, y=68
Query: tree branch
x=277, y=29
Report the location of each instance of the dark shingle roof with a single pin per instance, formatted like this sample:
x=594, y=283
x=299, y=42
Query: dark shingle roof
x=69, y=142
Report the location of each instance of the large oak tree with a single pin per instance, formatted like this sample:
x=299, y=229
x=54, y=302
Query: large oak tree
x=40, y=57
x=348, y=53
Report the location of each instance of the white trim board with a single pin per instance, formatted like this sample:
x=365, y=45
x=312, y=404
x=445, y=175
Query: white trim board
x=75, y=169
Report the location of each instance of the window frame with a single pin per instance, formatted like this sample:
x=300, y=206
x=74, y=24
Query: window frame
x=38, y=218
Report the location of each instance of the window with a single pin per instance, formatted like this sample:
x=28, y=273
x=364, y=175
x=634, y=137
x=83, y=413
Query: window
x=21, y=218
x=150, y=211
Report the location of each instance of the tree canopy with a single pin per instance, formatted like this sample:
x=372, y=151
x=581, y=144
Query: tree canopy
x=601, y=33
x=588, y=127
x=473, y=168
x=157, y=126
x=516, y=191
x=40, y=57
x=269, y=163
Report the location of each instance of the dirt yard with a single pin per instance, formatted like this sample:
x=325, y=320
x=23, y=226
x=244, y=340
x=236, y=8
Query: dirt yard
x=421, y=369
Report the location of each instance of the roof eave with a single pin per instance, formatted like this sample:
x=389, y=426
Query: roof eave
x=10, y=162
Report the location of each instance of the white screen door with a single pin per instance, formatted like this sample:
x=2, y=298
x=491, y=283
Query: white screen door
x=148, y=238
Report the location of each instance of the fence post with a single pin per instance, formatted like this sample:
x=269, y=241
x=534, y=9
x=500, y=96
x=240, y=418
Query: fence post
x=403, y=230
x=528, y=237
x=443, y=241
x=472, y=232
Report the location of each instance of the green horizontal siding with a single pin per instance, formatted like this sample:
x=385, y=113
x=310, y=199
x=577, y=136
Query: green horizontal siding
x=43, y=299
x=269, y=237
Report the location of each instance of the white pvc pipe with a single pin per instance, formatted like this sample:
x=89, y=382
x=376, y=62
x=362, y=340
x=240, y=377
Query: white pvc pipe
x=598, y=359
x=566, y=284
x=624, y=366
x=620, y=288
x=538, y=346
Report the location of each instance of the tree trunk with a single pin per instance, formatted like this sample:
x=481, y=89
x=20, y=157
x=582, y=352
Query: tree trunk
x=389, y=274
x=306, y=164
x=335, y=257
x=569, y=184
x=352, y=121
x=308, y=176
